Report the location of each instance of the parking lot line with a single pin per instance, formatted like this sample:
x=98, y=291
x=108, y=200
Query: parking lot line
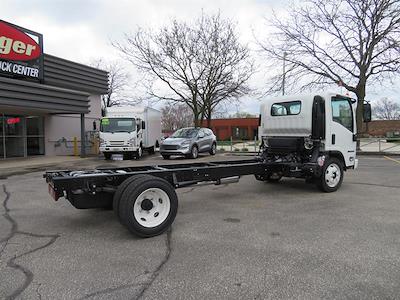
x=392, y=159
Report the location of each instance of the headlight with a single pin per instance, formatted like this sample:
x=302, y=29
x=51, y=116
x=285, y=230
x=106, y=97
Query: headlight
x=131, y=141
x=185, y=143
x=102, y=142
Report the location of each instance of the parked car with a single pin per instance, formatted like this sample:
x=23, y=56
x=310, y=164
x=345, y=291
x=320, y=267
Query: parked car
x=189, y=142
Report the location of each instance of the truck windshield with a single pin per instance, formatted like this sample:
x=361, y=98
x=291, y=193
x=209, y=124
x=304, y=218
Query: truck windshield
x=117, y=125
x=185, y=133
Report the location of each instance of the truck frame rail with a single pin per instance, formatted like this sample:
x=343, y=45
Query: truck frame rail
x=65, y=182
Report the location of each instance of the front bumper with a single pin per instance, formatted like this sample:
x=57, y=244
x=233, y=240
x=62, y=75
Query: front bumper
x=118, y=149
x=179, y=151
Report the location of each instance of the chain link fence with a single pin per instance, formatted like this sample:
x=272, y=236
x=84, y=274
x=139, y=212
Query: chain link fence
x=381, y=145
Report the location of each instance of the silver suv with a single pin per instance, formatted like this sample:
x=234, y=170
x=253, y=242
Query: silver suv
x=189, y=142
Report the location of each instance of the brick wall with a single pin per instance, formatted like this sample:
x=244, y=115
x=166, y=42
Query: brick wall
x=381, y=127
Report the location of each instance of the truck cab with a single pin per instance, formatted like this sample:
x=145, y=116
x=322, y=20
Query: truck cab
x=309, y=136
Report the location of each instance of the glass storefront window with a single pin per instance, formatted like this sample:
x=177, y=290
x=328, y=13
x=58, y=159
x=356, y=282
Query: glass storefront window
x=21, y=136
x=14, y=125
x=34, y=126
x=1, y=125
x=14, y=146
x=35, y=146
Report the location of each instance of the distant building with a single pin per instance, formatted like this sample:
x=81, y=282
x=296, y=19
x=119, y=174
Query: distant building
x=383, y=128
x=237, y=128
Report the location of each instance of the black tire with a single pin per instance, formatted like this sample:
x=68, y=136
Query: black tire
x=194, y=153
x=107, y=155
x=121, y=188
x=213, y=149
x=166, y=156
x=139, y=153
x=328, y=182
x=151, y=150
x=128, y=204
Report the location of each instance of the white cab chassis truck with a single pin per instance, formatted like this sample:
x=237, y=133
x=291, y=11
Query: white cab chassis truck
x=311, y=137
x=129, y=131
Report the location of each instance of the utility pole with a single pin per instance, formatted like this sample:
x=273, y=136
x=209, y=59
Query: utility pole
x=284, y=73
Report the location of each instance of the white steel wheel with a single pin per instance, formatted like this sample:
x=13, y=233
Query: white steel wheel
x=151, y=207
x=332, y=175
x=147, y=205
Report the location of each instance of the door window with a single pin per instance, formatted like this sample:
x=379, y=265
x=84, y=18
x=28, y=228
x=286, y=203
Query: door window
x=342, y=112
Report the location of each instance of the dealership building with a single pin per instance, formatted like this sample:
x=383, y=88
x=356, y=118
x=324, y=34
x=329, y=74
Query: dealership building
x=45, y=101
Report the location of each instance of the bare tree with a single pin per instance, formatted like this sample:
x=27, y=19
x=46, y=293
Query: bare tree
x=175, y=116
x=199, y=64
x=117, y=79
x=386, y=109
x=242, y=115
x=345, y=42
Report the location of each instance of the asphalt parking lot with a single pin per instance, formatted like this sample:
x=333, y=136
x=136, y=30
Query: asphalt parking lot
x=248, y=240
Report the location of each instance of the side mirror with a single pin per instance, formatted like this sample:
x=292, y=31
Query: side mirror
x=367, y=114
x=143, y=125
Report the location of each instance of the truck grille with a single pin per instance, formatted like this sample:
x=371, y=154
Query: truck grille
x=169, y=147
x=117, y=143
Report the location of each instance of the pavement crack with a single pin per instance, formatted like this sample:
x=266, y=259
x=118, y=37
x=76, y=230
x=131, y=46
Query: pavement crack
x=146, y=285
x=13, y=232
x=157, y=271
x=38, y=291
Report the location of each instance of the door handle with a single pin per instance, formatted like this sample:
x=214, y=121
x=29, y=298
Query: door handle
x=333, y=139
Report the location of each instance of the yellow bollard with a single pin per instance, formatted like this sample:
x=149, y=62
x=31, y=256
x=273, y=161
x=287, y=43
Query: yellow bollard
x=76, y=151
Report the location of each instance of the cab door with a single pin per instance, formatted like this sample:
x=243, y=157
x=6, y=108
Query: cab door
x=341, y=128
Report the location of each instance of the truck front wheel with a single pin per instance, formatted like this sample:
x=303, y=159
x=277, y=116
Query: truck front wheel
x=148, y=206
x=139, y=152
x=107, y=155
x=332, y=175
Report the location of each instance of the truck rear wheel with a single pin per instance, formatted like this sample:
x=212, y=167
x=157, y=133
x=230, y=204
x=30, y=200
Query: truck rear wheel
x=121, y=188
x=148, y=206
x=332, y=175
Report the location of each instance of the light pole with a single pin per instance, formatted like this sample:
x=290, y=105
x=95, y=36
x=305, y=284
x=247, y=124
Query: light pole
x=284, y=73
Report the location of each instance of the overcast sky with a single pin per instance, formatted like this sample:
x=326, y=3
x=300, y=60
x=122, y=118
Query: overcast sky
x=81, y=30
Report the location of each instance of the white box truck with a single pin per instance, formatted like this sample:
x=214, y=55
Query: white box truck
x=129, y=131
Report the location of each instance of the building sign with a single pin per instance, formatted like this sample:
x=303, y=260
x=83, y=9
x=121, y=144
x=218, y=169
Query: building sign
x=21, y=52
